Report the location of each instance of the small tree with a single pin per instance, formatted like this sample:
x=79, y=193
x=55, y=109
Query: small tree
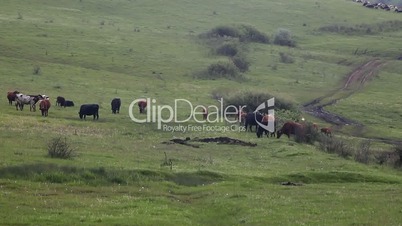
x=58, y=147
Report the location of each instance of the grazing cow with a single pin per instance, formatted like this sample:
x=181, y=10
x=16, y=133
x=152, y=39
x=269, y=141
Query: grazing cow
x=11, y=96
x=116, y=102
x=68, y=103
x=266, y=119
x=142, y=105
x=22, y=99
x=204, y=113
x=290, y=128
x=251, y=120
x=240, y=116
x=60, y=101
x=315, y=126
x=89, y=109
x=44, y=106
x=326, y=131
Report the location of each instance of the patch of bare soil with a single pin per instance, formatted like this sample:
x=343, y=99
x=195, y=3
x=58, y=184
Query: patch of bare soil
x=181, y=141
x=217, y=140
x=289, y=183
x=225, y=140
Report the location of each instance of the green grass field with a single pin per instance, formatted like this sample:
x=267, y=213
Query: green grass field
x=92, y=51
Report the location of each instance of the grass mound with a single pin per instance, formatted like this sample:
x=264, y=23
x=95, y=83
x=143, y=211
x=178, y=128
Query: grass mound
x=53, y=173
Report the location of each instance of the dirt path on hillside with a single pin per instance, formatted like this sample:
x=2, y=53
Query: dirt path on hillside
x=352, y=83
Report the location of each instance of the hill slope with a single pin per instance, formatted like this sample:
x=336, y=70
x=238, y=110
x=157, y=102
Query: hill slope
x=129, y=173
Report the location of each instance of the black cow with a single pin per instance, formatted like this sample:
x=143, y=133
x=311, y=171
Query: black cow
x=265, y=121
x=89, y=109
x=68, y=103
x=251, y=120
x=116, y=102
x=60, y=101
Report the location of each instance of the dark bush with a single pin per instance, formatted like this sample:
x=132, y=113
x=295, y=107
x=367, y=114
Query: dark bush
x=224, y=31
x=224, y=70
x=363, y=152
x=336, y=146
x=244, y=33
x=286, y=58
x=58, y=147
x=227, y=50
x=284, y=37
x=241, y=63
x=398, y=155
x=220, y=70
x=308, y=135
x=390, y=157
x=250, y=34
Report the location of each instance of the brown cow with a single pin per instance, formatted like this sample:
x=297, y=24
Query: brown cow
x=142, y=104
x=326, y=131
x=44, y=106
x=266, y=119
x=11, y=96
x=289, y=128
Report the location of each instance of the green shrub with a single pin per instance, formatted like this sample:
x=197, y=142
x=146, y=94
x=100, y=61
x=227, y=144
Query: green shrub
x=227, y=49
x=224, y=31
x=241, y=63
x=58, y=147
x=308, y=135
x=286, y=58
x=244, y=33
x=363, y=153
x=336, y=146
x=283, y=37
x=220, y=70
x=251, y=34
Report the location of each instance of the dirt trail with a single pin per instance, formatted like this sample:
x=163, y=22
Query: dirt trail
x=352, y=83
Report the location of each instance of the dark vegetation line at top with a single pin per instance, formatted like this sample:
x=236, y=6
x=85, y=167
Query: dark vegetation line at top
x=363, y=29
x=231, y=41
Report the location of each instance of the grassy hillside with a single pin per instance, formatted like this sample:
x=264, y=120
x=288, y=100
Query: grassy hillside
x=92, y=51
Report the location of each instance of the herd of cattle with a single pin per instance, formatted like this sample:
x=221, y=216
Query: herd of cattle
x=44, y=104
x=289, y=128
x=249, y=119
x=380, y=5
